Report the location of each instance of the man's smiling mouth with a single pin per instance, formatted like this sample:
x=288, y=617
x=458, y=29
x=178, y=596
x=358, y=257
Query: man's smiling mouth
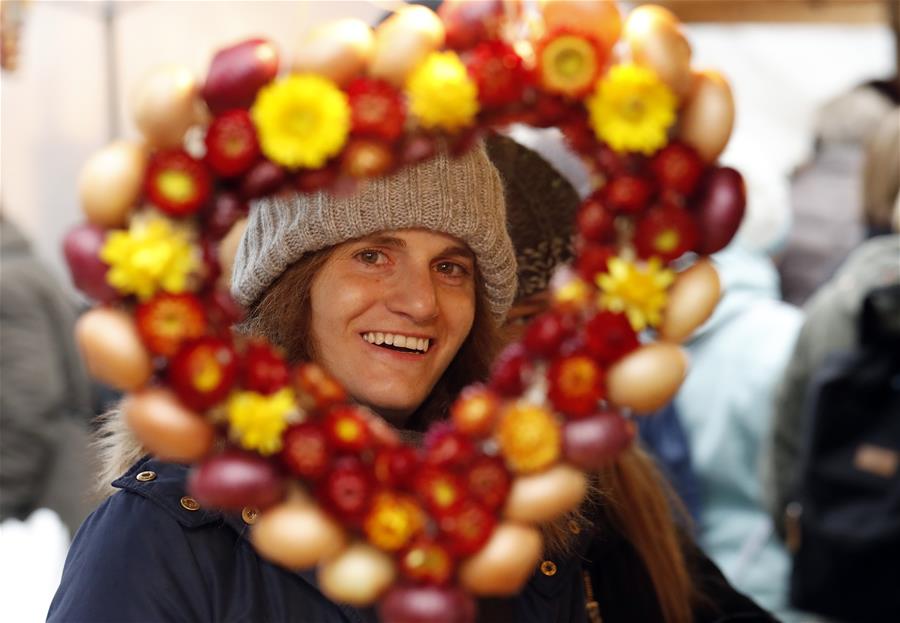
x=398, y=342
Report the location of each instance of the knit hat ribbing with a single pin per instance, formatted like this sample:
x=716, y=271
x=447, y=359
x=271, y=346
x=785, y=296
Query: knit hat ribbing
x=462, y=197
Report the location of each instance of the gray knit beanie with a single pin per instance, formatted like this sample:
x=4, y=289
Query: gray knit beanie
x=462, y=197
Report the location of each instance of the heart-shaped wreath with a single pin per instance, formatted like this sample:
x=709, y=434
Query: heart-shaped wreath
x=457, y=517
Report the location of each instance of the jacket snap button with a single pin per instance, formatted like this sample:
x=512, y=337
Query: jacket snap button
x=146, y=476
x=548, y=567
x=189, y=503
x=249, y=515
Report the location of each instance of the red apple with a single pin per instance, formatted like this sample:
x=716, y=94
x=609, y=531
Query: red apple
x=719, y=208
x=203, y=371
x=237, y=73
x=81, y=248
x=427, y=604
x=593, y=442
x=235, y=479
x=263, y=178
x=222, y=214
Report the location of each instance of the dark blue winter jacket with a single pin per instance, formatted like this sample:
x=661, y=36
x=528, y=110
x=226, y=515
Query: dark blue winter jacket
x=148, y=553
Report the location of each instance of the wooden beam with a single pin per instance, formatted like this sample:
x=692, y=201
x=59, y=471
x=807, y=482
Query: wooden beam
x=781, y=11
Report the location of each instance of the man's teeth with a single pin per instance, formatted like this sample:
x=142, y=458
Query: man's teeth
x=399, y=341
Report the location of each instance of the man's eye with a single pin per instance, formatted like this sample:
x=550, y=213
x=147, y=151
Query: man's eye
x=370, y=256
x=452, y=268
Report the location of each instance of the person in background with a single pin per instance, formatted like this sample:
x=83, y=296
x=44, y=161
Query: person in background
x=539, y=176
x=45, y=400
x=831, y=323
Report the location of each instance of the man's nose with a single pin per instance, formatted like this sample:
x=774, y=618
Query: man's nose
x=413, y=294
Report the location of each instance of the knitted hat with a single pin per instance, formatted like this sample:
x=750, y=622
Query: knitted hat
x=462, y=197
x=540, y=207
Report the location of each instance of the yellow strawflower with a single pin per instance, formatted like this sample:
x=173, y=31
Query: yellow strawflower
x=632, y=109
x=153, y=254
x=257, y=421
x=441, y=92
x=302, y=120
x=638, y=291
x=529, y=438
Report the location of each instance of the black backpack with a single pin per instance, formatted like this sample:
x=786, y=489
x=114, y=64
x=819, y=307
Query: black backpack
x=846, y=521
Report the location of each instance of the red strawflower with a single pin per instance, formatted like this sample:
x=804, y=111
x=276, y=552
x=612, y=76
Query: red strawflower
x=305, y=452
x=394, y=466
x=576, y=385
x=364, y=157
x=499, y=73
x=609, y=337
x=592, y=259
x=346, y=489
x=346, y=428
x=265, y=370
x=677, y=167
x=167, y=320
x=444, y=446
x=315, y=388
x=441, y=490
x=467, y=528
x=176, y=183
x=427, y=562
x=377, y=109
x=628, y=193
x=595, y=220
x=569, y=62
x=203, y=371
x=667, y=232
x=546, y=333
x=488, y=481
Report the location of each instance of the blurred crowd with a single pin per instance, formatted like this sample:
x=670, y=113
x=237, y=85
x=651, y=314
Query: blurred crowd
x=791, y=385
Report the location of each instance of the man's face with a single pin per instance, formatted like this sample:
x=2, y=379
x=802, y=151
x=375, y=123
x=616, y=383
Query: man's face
x=389, y=313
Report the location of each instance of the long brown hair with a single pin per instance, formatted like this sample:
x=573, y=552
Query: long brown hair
x=283, y=315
